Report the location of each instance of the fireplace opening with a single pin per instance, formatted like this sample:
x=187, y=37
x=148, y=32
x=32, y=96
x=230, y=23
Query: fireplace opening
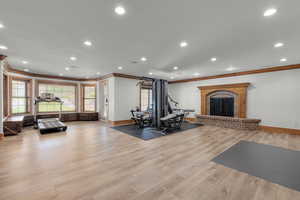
x=222, y=106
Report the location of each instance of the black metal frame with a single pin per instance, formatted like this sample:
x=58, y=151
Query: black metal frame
x=51, y=127
x=161, y=109
x=141, y=119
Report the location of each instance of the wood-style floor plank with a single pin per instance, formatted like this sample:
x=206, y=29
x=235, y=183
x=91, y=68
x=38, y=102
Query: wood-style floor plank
x=92, y=161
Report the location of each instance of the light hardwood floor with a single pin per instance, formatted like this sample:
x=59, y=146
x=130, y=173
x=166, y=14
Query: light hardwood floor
x=95, y=162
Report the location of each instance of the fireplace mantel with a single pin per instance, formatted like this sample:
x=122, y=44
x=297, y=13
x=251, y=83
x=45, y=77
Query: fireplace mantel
x=239, y=89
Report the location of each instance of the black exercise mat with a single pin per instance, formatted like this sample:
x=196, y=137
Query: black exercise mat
x=274, y=164
x=149, y=132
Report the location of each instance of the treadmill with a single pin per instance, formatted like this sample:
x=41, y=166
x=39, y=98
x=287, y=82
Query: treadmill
x=48, y=125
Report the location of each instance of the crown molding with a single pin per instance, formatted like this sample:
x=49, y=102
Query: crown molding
x=257, y=71
x=36, y=75
x=126, y=76
x=235, y=85
x=249, y=72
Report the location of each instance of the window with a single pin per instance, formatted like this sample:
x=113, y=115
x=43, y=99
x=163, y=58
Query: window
x=146, y=99
x=66, y=92
x=20, y=96
x=89, y=98
x=5, y=95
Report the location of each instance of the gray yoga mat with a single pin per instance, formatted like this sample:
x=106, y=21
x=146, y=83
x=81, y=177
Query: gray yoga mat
x=274, y=164
x=149, y=133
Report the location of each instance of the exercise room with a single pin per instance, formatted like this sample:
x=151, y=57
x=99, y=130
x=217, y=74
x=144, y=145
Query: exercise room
x=149, y=100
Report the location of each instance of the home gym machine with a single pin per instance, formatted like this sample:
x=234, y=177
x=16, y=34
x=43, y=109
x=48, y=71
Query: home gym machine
x=50, y=124
x=140, y=118
x=160, y=115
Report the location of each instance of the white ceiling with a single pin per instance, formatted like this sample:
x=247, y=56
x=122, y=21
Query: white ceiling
x=47, y=33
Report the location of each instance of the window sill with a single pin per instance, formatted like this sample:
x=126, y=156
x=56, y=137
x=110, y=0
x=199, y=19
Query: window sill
x=45, y=113
x=20, y=114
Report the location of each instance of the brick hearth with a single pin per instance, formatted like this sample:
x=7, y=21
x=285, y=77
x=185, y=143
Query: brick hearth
x=229, y=122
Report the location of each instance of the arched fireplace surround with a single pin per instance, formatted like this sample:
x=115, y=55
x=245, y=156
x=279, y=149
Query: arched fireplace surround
x=237, y=91
x=221, y=96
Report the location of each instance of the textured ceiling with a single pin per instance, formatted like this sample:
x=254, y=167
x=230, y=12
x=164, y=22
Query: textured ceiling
x=47, y=33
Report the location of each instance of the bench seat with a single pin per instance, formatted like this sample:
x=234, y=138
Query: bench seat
x=14, y=123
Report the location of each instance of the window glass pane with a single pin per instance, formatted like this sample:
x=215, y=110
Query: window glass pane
x=89, y=105
x=89, y=99
x=18, y=105
x=146, y=99
x=18, y=88
x=19, y=101
x=67, y=93
x=89, y=92
x=150, y=99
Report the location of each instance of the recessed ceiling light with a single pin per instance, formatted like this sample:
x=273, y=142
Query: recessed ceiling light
x=88, y=43
x=279, y=44
x=1, y=25
x=150, y=73
x=120, y=10
x=283, y=60
x=25, y=62
x=61, y=74
x=196, y=74
x=87, y=77
x=67, y=68
x=73, y=58
x=2, y=47
x=183, y=44
x=213, y=59
x=144, y=59
x=26, y=70
x=120, y=68
x=171, y=77
x=175, y=68
x=230, y=68
x=270, y=12
x=98, y=73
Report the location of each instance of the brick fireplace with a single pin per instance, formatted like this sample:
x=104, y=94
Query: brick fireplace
x=226, y=106
x=222, y=93
x=222, y=103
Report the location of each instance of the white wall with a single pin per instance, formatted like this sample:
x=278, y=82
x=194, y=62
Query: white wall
x=100, y=99
x=111, y=98
x=272, y=97
x=1, y=96
x=126, y=98
x=123, y=95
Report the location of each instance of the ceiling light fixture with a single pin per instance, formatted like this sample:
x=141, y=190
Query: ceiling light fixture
x=171, y=77
x=150, y=73
x=175, y=68
x=183, y=44
x=1, y=25
x=61, y=74
x=279, y=44
x=196, y=74
x=120, y=10
x=120, y=68
x=88, y=43
x=2, y=47
x=67, y=68
x=270, y=12
x=144, y=59
x=213, y=59
x=98, y=73
x=26, y=70
x=73, y=58
x=283, y=60
x=25, y=62
x=230, y=68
